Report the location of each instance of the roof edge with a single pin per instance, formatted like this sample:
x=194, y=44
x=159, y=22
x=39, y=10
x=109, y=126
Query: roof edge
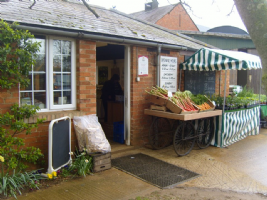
x=162, y=28
x=241, y=36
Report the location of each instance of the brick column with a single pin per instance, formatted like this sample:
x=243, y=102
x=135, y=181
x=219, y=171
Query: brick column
x=86, y=76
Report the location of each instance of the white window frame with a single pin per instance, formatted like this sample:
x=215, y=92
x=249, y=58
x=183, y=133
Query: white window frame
x=49, y=76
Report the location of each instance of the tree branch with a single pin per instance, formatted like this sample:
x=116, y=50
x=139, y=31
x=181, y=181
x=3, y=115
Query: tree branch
x=89, y=8
x=231, y=10
x=33, y=4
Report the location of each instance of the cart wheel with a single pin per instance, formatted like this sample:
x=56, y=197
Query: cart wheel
x=160, y=134
x=184, y=138
x=205, y=132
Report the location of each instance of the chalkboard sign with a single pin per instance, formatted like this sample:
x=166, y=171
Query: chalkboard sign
x=200, y=82
x=59, y=143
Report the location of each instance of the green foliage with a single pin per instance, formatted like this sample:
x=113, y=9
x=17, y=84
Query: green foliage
x=17, y=51
x=198, y=99
x=217, y=99
x=12, y=184
x=81, y=165
x=12, y=124
x=245, y=92
x=16, y=55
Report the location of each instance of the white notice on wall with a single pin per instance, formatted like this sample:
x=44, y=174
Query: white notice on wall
x=142, y=66
x=168, y=73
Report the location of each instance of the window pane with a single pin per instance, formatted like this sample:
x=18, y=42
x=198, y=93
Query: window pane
x=66, y=81
x=66, y=47
x=29, y=87
x=26, y=98
x=57, y=81
x=40, y=63
x=57, y=47
x=57, y=98
x=40, y=99
x=42, y=47
x=67, y=97
x=39, y=81
x=57, y=63
x=66, y=63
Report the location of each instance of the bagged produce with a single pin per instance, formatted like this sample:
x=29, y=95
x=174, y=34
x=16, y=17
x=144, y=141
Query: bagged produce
x=90, y=134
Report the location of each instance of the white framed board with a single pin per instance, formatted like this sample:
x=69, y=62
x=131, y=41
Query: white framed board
x=168, y=73
x=142, y=65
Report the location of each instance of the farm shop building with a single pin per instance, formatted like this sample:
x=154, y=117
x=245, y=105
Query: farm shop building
x=81, y=47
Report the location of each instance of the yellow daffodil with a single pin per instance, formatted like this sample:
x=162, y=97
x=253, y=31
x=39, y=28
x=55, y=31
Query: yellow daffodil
x=71, y=153
x=86, y=161
x=2, y=159
x=49, y=176
x=54, y=174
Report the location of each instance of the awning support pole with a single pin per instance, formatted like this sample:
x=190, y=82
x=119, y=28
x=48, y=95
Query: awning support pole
x=260, y=86
x=225, y=72
x=158, y=66
x=180, y=79
x=220, y=77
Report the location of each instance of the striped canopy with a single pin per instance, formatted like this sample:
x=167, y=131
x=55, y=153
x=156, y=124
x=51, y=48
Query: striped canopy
x=213, y=59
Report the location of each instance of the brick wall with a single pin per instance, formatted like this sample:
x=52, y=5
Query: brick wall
x=86, y=76
x=177, y=19
x=8, y=98
x=140, y=123
x=219, y=83
x=86, y=98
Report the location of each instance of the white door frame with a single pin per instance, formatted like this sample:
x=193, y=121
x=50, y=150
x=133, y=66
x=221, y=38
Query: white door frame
x=127, y=94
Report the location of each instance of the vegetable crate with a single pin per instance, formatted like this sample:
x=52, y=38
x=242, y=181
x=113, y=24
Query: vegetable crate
x=158, y=100
x=101, y=162
x=210, y=104
x=176, y=109
x=118, y=132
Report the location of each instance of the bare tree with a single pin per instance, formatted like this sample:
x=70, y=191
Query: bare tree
x=254, y=15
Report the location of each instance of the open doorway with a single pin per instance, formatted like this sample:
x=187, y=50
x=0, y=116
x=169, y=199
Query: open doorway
x=110, y=63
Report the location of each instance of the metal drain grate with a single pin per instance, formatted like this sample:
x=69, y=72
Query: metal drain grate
x=152, y=170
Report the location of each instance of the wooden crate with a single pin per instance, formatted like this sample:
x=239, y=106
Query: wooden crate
x=176, y=109
x=101, y=162
x=161, y=108
x=210, y=104
x=158, y=100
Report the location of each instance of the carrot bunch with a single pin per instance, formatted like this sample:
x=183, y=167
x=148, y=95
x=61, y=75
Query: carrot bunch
x=182, y=99
x=204, y=106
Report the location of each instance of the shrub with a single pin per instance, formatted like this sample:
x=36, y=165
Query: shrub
x=11, y=124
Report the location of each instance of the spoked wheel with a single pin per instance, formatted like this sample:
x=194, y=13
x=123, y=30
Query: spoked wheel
x=160, y=134
x=184, y=138
x=205, y=132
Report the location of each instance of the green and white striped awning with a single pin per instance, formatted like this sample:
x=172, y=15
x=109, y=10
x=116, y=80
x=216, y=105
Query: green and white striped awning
x=213, y=59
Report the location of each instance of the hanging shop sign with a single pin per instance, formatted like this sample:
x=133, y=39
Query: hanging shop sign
x=168, y=73
x=142, y=66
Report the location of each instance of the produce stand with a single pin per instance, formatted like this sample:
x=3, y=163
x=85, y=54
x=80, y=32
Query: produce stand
x=231, y=126
x=183, y=130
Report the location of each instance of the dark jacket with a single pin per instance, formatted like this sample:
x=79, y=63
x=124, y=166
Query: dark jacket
x=110, y=89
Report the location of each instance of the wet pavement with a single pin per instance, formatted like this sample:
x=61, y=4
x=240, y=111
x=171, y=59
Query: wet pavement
x=240, y=167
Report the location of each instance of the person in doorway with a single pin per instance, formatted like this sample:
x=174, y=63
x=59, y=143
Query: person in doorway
x=110, y=89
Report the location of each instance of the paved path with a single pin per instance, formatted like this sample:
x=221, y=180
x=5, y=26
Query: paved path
x=241, y=167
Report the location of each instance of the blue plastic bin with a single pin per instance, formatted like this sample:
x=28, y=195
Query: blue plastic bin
x=118, y=132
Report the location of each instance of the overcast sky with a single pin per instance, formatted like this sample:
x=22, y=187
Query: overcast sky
x=209, y=13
